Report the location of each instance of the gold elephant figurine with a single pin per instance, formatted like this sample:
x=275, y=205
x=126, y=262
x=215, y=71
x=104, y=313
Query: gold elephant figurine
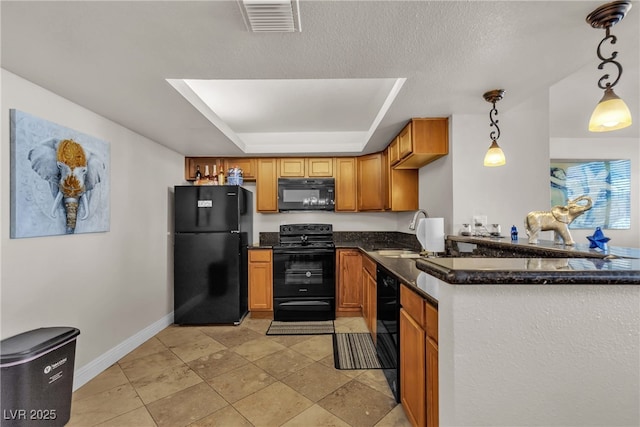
x=557, y=219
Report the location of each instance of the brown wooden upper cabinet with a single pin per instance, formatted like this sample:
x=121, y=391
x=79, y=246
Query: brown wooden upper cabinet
x=383, y=181
x=346, y=184
x=291, y=167
x=420, y=142
x=371, y=190
x=310, y=167
x=401, y=188
x=248, y=166
x=382, y=188
x=192, y=163
x=393, y=151
x=266, y=185
x=405, y=141
x=320, y=167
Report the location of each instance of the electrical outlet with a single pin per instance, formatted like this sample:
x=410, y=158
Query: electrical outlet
x=479, y=221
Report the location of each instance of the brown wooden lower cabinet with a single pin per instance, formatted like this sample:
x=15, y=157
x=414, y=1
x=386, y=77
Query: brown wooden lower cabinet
x=369, y=289
x=371, y=301
x=366, y=307
x=412, y=369
x=418, y=359
x=260, y=282
x=349, y=282
x=431, y=320
x=432, y=382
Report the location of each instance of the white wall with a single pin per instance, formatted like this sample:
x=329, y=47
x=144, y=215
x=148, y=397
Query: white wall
x=539, y=355
x=613, y=148
x=110, y=285
x=458, y=186
x=436, y=186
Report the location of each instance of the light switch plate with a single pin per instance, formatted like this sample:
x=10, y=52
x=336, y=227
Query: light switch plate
x=479, y=220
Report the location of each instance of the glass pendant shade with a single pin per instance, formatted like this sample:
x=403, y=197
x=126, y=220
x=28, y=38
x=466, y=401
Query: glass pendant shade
x=611, y=113
x=494, y=156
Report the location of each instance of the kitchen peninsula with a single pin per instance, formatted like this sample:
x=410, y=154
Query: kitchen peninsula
x=533, y=341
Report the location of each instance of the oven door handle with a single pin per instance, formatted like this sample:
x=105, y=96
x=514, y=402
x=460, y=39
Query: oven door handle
x=303, y=251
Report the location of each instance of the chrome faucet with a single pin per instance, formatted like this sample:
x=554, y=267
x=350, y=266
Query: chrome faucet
x=412, y=225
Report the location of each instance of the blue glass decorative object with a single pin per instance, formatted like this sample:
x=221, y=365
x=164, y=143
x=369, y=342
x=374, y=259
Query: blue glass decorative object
x=598, y=240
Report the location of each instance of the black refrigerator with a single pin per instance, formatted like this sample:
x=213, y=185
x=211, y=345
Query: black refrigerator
x=213, y=229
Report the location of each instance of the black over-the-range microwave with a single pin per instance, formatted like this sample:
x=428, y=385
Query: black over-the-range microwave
x=306, y=194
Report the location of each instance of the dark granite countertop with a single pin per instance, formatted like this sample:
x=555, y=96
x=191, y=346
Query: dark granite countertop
x=371, y=246
x=543, y=263
x=403, y=268
x=366, y=240
x=365, y=246
x=406, y=270
x=545, y=271
x=545, y=248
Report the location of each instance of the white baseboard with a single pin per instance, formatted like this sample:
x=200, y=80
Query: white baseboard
x=89, y=371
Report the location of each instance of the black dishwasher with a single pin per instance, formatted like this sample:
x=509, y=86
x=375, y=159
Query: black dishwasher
x=387, y=325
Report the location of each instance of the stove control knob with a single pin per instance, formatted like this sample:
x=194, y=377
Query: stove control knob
x=308, y=274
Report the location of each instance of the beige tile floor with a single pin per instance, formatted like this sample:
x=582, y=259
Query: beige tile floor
x=236, y=376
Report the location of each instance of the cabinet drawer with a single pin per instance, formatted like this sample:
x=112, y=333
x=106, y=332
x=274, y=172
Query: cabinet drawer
x=413, y=304
x=432, y=321
x=260, y=255
x=369, y=265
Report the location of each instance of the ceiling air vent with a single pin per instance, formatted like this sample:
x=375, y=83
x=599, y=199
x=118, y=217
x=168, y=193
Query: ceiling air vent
x=271, y=15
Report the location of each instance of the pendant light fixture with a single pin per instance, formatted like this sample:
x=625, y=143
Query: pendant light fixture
x=494, y=156
x=611, y=113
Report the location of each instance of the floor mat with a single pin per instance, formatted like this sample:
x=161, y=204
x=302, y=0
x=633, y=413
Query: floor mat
x=301, y=328
x=357, y=351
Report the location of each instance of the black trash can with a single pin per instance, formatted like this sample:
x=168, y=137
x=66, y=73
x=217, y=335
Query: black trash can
x=36, y=375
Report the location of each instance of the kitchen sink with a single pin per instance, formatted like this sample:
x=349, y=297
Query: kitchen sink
x=398, y=253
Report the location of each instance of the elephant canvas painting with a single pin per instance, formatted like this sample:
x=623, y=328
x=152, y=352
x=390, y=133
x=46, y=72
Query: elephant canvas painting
x=59, y=179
